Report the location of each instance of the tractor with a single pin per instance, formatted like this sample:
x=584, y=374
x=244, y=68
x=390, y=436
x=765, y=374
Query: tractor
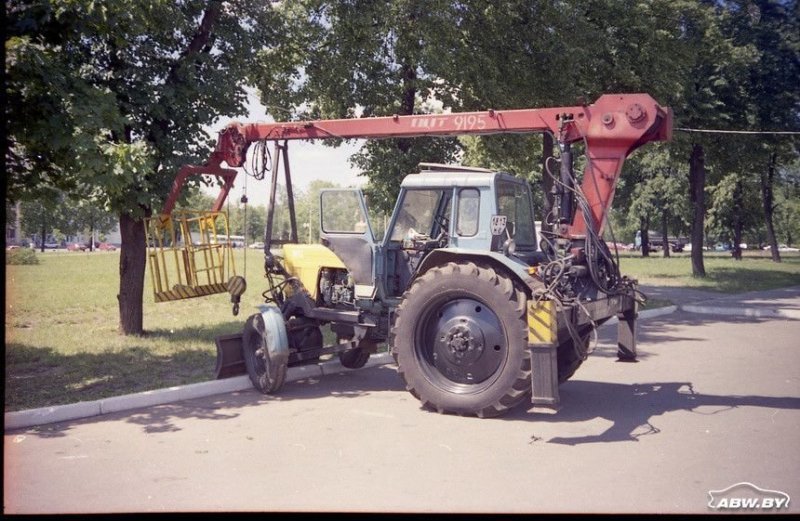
x=479, y=311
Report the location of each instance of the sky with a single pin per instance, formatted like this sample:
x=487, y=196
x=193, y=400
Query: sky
x=308, y=161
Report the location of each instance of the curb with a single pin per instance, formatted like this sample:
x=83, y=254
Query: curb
x=80, y=410
x=648, y=313
x=742, y=312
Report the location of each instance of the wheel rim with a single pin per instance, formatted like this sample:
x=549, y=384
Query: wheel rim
x=461, y=345
x=255, y=349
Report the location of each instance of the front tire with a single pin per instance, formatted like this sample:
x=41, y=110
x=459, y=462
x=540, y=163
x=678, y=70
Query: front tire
x=354, y=358
x=267, y=370
x=460, y=341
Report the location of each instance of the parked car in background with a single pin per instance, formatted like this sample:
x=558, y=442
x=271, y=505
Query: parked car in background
x=783, y=247
x=76, y=246
x=105, y=246
x=620, y=246
x=257, y=245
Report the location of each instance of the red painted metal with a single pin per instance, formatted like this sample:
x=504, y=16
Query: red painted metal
x=611, y=128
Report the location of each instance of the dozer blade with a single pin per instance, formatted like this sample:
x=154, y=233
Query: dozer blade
x=230, y=361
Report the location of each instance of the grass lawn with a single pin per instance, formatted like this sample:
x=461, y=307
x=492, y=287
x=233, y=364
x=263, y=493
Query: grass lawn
x=61, y=318
x=724, y=274
x=62, y=344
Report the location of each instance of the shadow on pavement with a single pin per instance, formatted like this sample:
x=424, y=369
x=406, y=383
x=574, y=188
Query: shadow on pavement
x=628, y=407
x=631, y=407
x=659, y=331
x=228, y=406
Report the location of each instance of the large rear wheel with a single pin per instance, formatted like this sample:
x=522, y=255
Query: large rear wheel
x=460, y=341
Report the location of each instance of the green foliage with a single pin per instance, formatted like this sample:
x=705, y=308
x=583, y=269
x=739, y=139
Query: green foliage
x=657, y=185
x=108, y=99
x=735, y=198
x=787, y=208
x=368, y=59
x=387, y=162
x=57, y=214
x=21, y=256
x=307, y=209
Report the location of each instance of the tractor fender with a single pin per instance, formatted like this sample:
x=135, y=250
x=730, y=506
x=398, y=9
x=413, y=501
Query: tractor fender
x=515, y=269
x=277, y=338
x=265, y=349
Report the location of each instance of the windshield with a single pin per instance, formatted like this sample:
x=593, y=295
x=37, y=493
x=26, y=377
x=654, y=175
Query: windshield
x=418, y=211
x=513, y=201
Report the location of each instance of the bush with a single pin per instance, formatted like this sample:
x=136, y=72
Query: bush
x=21, y=256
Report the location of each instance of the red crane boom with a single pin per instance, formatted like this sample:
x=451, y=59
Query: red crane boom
x=611, y=128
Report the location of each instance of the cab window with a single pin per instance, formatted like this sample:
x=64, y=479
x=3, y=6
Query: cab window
x=341, y=212
x=513, y=201
x=467, y=218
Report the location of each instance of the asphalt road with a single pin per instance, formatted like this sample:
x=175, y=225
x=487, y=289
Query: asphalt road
x=713, y=401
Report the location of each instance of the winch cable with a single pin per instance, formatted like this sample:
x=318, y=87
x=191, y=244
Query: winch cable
x=246, y=224
x=595, y=250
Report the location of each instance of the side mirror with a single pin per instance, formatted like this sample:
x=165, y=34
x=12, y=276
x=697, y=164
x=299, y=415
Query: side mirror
x=510, y=229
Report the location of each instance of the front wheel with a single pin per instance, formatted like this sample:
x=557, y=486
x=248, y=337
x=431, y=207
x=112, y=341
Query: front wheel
x=460, y=341
x=265, y=349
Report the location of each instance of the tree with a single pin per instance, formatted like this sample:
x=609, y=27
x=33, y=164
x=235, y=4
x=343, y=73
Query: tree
x=772, y=91
x=42, y=218
x=787, y=221
x=109, y=98
x=307, y=210
x=86, y=216
x=659, y=194
x=365, y=58
x=713, y=98
x=734, y=209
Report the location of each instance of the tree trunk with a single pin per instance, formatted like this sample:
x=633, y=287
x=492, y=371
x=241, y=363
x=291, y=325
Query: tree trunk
x=697, y=185
x=44, y=237
x=738, y=209
x=768, y=200
x=547, y=180
x=91, y=235
x=18, y=222
x=131, y=275
x=644, y=227
x=664, y=230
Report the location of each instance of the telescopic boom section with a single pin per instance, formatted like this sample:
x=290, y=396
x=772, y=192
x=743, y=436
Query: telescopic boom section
x=611, y=128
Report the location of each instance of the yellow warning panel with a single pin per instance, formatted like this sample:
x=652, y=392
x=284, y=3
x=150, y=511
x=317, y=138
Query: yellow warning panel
x=189, y=254
x=542, y=322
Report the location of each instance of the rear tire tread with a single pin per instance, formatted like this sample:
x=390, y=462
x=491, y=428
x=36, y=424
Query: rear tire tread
x=521, y=386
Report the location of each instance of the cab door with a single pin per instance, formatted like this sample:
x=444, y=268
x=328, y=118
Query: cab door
x=346, y=230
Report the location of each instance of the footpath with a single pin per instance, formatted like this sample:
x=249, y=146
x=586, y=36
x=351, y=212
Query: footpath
x=782, y=303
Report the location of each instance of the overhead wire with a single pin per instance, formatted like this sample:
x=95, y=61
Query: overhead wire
x=743, y=132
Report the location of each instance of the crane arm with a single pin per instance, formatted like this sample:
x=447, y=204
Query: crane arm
x=611, y=128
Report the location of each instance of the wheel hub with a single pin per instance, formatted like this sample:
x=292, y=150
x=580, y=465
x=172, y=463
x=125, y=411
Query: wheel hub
x=460, y=340
x=467, y=343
